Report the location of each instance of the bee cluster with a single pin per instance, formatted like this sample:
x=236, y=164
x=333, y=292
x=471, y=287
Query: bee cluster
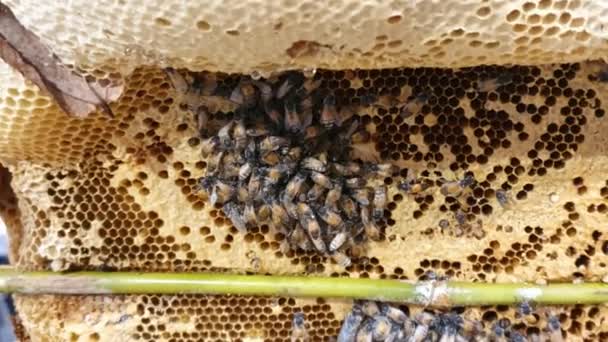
x=293, y=157
x=372, y=321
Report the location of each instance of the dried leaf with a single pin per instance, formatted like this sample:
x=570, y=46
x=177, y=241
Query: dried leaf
x=23, y=50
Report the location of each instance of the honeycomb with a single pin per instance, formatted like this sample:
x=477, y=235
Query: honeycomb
x=290, y=34
x=122, y=194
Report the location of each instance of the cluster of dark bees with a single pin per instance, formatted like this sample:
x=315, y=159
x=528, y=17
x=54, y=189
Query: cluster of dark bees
x=294, y=157
x=371, y=321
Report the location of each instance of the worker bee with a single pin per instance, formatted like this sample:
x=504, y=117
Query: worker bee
x=421, y=331
x=249, y=215
x=500, y=329
x=210, y=145
x=314, y=164
x=351, y=324
x=294, y=153
x=294, y=186
x=244, y=94
x=349, y=207
x=380, y=199
x=245, y=171
x=371, y=229
x=280, y=218
x=381, y=328
x=413, y=187
x=330, y=217
x=298, y=327
x=491, y=84
x=393, y=313
x=525, y=308
x=231, y=210
x=290, y=207
x=333, y=195
x=341, y=259
x=315, y=192
x=451, y=189
x=348, y=169
x=414, y=105
x=355, y=183
x=321, y=179
x=503, y=198
x=239, y=134
x=273, y=143
x=338, y=241
x=292, y=119
x=222, y=192
x=255, y=184
x=224, y=135
x=554, y=329
x=309, y=222
x=365, y=333
x=202, y=120
x=382, y=170
x=361, y=196
x=299, y=238
x=329, y=113
x=265, y=90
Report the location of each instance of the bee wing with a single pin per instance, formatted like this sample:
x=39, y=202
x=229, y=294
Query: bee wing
x=177, y=80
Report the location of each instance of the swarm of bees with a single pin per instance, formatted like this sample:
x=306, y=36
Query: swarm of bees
x=372, y=321
x=293, y=157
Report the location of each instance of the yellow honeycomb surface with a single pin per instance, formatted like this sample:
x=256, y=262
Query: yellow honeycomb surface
x=121, y=194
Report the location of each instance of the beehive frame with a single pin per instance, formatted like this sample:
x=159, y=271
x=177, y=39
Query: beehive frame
x=100, y=193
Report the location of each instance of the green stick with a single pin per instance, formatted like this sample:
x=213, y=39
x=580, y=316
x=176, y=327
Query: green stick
x=430, y=293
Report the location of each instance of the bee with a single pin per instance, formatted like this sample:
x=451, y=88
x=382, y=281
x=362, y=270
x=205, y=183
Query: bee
x=309, y=222
x=554, y=328
x=500, y=328
x=298, y=327
x=298, y=237
x=355, y=183
x=285, y=87
x=351, y=324
x=239, y=135
x=178, y=81
x=368, y=307
x=422, y=329
x=361, y=196
x=414, y=105
x=255, y=184
x=233, y=213
x=271, y=158
x=467, y=181
x=349, y=207
x=202, y=120
x=280, y=218
x=292, y=119
x=210, y=145
x=349, y=169
x=491, y=84
x=338, y=241
x=294, y=186
x=294, y=153
x=413, y=187
x=329, y=114
x=244, y=94
x=250, y=151
x=224, y=135
x=380, y=199
x=503, y=198
x=273, y=112
x=276, y=173
x=265, y=90
x=451, y=189
x=341, y=259
x=365, y=333
x=371, y=229
x=383, y=170
x=525, y=308
x=381, y=328
x=245, y=171
x=314, y=164
x=311, y=132
x=314, y=193
x=330, y=217
x=222, y=192
x=517, y=337
x=273, y=143
x=290, y=207
x=333, y=195
x=249, y=215
x=393, y=313
x=321, y=179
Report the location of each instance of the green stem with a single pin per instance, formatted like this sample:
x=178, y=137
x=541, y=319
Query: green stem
x=439, y=293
